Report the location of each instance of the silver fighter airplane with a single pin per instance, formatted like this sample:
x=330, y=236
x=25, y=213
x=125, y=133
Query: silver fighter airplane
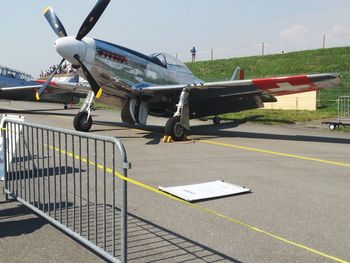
x=159, y=84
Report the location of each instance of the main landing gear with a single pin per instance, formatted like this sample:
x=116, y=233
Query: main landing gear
x=178, y=126
x=174, y=129
x=83, y=121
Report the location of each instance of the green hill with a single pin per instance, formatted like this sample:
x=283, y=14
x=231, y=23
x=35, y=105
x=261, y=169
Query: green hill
x=303, y=62
x=310, y=61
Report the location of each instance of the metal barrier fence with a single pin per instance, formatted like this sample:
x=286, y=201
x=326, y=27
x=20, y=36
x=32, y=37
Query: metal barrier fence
x=69, y=178
x=344, y=109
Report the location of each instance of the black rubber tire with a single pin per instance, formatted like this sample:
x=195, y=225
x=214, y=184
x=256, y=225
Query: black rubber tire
x=216, y=120
x=65, y=107
x=126, y=115
x=81, y=123
x=174, y=129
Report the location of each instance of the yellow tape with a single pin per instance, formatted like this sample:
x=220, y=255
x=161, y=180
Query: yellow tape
x=204, y=209
x=276, y=153
x=10, y=131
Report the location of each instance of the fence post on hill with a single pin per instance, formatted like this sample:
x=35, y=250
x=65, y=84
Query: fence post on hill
x=324, y=41
x=262, y=48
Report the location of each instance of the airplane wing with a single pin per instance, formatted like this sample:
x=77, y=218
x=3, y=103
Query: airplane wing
x=57, y=87
x=64, y=87
x=275, y=86
x=19, y=88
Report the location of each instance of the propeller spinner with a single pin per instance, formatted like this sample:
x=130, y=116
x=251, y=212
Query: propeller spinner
x=69, y=47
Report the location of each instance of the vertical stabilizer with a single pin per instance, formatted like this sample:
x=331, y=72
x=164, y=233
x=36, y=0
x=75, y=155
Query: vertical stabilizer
x=238, y=74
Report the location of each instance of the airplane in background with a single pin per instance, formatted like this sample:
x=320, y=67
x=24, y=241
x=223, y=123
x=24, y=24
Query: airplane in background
x=159, y=84
x=16, y=85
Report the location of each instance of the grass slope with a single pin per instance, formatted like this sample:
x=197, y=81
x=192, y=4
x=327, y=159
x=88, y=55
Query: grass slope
x=303, y=62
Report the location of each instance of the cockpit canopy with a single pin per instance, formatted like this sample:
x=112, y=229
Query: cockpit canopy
x=166, y=60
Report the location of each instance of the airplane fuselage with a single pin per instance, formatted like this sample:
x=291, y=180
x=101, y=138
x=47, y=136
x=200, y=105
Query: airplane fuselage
x=123, y=72
x=116, y=66
x=159, y=84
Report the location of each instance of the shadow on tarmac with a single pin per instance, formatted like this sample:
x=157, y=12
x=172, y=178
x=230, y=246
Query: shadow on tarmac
x=36, y=112
x=166, y=245
x=147, y=241
x=9, y=226
x=220, y=132
x=207, y=131
x=43, y=172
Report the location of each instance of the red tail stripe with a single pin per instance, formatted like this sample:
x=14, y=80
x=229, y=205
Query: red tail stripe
x=271, y=83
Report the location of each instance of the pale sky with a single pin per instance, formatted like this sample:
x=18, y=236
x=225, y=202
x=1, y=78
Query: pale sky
x=232, y=28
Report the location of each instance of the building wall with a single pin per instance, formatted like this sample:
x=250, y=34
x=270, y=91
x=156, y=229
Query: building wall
x=300, y=101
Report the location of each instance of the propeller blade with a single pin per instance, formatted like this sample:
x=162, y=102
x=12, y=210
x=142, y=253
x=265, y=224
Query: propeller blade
x=54, y=22
x=92, y=18
x=92, y=81
x=47, y=83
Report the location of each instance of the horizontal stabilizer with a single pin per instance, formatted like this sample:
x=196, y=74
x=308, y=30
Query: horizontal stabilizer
x=297, y=84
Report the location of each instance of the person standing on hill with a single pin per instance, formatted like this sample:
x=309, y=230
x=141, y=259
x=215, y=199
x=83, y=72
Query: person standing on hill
x=193, y=53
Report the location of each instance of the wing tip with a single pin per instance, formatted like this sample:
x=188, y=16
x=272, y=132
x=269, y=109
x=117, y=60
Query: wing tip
x=46, y=9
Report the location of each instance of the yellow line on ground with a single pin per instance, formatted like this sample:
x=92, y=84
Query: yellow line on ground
x=275, y=153
x=251, y=149
x=201, y=208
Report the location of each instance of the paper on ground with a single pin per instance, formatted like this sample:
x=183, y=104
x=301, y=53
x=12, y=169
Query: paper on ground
x=196, y=192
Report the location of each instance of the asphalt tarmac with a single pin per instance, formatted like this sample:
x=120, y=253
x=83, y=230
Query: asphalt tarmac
x=298, y=210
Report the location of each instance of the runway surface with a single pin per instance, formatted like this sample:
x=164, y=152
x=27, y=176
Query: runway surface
x=298, y=210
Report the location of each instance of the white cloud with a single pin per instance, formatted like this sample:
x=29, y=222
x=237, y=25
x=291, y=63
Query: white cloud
x=293, y=33
x=340, y=29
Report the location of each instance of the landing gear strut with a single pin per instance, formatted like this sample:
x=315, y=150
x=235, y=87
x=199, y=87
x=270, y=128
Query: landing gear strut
x=83, y=121
x=179, y=125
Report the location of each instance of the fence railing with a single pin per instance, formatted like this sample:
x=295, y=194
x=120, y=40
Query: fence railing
x=264, y=47
x=344, y=109
x=69, y=178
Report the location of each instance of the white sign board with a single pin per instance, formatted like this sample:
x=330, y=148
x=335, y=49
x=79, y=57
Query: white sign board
x=197, y=192
x=12, y=145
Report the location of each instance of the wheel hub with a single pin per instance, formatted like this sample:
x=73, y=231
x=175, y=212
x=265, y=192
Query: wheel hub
x=178, y=130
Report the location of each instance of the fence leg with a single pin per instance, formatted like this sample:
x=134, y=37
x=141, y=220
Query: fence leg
x=5, y=194
x=4, y=159
x=124, y=223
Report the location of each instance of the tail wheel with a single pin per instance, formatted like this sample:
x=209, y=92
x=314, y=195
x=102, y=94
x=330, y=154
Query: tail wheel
x=82, y=122
x=174, y=129
x=332, y=126
x=216, y=120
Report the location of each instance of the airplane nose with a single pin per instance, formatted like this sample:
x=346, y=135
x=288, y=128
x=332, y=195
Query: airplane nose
x=68, y=47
